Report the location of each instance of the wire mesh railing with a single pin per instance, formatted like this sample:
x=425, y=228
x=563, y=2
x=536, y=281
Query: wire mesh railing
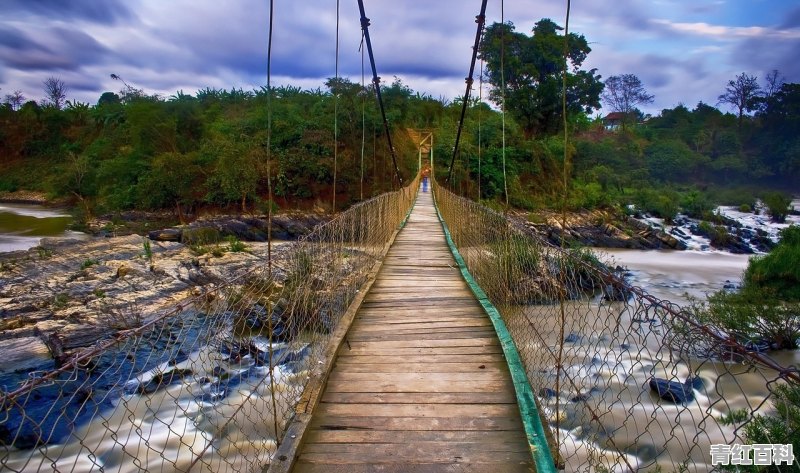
x=208, y=383
x=626, y=382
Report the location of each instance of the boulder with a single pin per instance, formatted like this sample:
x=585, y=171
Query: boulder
x=673, y=391
x=167, y=234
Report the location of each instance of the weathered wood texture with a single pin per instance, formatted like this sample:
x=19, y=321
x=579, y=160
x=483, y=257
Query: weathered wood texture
x=420, y=384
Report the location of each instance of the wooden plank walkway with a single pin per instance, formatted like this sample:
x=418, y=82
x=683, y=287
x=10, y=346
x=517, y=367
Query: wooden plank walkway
x=421, y=383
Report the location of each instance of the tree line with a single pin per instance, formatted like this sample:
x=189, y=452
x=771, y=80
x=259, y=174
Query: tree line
x=133, y=150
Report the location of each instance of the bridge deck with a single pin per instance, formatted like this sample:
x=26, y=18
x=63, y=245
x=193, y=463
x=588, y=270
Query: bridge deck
x=421, y=383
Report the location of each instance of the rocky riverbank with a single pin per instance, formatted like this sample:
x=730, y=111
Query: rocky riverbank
x=728, y=230
x=599, y=228
x=82, y=291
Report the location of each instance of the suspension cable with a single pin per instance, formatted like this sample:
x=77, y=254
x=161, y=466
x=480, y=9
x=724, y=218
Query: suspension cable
x=336, y=111
x=562, y=313
x=270, y=204
x=480, y=110
x=377, y=81
x=269, y=138
x=480, y=20
x=503, y=92
x=564, y=104
x=363, y=116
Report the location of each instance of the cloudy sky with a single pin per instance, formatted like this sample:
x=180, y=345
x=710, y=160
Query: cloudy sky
x=683, y=50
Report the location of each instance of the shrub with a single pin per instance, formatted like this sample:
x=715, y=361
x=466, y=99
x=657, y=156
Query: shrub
x=745, y=208
x=778, y=273
x=751, y=317
x=200, y=236
x=777, y=206
x=783, y=427
x=768, y=306
x=235, y=245
x=695, y=204
x=89, y=263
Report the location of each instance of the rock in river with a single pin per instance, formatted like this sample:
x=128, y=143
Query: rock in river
x=673, y=391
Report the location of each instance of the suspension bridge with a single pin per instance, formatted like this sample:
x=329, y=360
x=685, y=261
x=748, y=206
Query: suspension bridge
x=416, y=331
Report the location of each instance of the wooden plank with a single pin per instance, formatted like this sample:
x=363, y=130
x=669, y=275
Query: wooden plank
x=401, y=313
x=324, y=422
x=373, y=350
x=427, y=359
x=419, y=410
x=443, y=452
x=406, y=467
x=414, y=436
x=402, y=326
x=418, y=386
x=461, y=342
x=470, y=333
x=428, y=367
x=483, y=375
x=382, y=322
x=413, y=398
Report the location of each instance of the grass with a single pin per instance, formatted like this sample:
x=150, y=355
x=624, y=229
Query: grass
x=88, y=263
x=235, y=245
x=60, y=301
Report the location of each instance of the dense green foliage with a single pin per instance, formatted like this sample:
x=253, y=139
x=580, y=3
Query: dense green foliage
x=767, y=307
x=781, y=427
x=778, y=273
x=528, y=71
x=185, y=152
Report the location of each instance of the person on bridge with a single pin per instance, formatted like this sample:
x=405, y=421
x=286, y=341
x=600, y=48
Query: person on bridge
x=424, y=183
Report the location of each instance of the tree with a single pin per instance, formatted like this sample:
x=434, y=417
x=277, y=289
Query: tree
x=108, y=98
x=56, y=91
x=526, y=73
x=743, y=94
x=778, y=206
x=774, y=83
x=624, y=93
x=15, y=99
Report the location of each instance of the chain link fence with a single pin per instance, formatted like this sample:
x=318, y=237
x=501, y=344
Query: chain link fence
x=625, y=381
x=130, y=370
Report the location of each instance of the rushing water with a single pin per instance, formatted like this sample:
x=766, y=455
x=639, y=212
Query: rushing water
x=23, y=225
x=182, y=397
x=672, y=275
x=612, y=353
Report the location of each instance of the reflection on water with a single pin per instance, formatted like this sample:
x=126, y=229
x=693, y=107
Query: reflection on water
x=23, y=225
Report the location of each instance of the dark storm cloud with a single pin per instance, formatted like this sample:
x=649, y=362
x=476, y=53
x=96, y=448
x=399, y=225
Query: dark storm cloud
x=627, y=14
x=59, y=49
x=760, y=55
x=792, y=19
x=96, y=11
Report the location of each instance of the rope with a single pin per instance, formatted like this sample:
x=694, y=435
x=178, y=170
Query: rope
x=562, y=312
x=480, y=107
x=269, y=137
x=377, y=81
x=269, y=210
x=336, y=112
x=363, y=116
x=480, y=20
x=503, y=91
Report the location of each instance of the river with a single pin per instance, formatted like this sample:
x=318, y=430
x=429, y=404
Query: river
x=613, y=351
x=23, y=225
x=620, y=378
x=672, y=275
